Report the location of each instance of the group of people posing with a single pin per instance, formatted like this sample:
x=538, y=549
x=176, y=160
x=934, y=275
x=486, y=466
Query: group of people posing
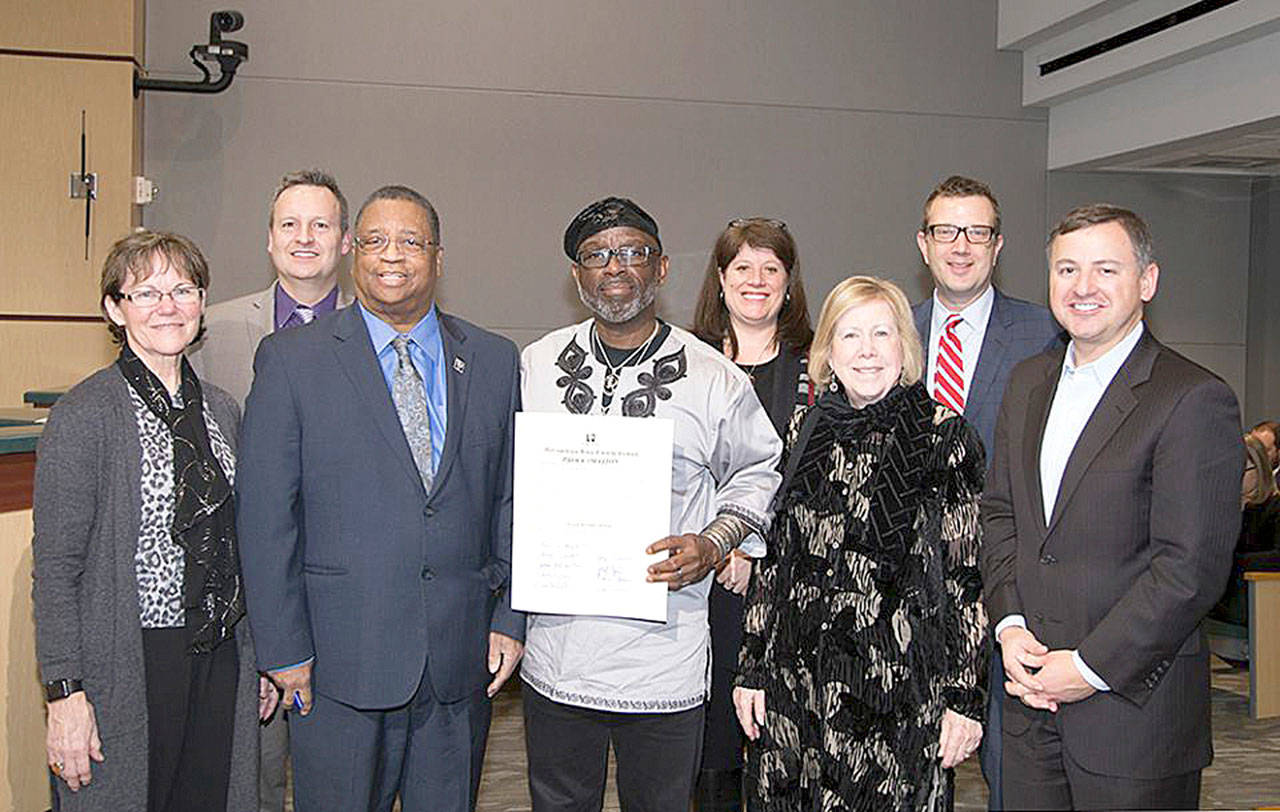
x=896, y=538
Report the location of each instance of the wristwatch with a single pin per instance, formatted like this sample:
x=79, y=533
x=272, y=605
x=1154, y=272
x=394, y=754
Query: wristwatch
x=61, y=689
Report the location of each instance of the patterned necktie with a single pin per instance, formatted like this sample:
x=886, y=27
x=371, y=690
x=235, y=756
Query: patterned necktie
x=410, y=399
x=305, y=314
x=948, y=374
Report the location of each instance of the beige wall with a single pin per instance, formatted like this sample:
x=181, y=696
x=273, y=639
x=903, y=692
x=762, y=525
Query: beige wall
x=835, y=116
x=24, y=780
x=49, y=355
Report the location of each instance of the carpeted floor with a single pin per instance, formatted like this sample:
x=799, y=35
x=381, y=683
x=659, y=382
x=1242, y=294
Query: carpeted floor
x=1245, y=773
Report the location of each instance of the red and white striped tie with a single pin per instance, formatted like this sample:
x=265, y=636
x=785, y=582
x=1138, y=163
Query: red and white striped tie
x=948, y=374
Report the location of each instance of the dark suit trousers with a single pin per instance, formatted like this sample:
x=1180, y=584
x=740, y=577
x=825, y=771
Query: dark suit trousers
x=427, y=752
x=992, y=741
x=1039, y=773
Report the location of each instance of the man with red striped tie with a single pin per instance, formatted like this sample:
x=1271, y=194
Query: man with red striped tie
x=974, y=336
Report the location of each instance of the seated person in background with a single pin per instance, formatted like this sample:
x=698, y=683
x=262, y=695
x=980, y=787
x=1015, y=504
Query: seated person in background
x=1258, y=547
x=1266, y=433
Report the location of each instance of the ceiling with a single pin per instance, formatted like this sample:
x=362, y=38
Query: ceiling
x=1252, y=151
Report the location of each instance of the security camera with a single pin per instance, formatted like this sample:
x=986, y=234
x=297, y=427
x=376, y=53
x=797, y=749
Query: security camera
x=224, y=22
x=229, y=55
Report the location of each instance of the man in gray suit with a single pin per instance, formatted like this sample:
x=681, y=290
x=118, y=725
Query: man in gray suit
x=974, y=336
x=307, y=237
x=374, y=495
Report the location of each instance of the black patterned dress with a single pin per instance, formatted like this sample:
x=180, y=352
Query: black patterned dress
x=865, y=622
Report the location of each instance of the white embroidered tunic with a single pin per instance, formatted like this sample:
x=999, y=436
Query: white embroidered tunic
x=724, y=461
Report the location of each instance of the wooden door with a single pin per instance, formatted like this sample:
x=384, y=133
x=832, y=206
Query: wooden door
x=46, y=264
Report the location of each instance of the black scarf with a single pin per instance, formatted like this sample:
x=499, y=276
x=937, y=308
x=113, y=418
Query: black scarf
x=204, y=522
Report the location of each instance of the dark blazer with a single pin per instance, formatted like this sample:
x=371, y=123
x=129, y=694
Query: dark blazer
x=1135, y=554
x=346, y=557
x=1016, y=330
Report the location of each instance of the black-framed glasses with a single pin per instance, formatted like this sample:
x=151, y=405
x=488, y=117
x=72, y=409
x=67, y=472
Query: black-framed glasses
x=743, y=222
x=150, y=297
x=410, y=244
x=976, y=235
x=628, y=256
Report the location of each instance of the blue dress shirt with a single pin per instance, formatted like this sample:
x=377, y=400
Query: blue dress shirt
x=426, y=351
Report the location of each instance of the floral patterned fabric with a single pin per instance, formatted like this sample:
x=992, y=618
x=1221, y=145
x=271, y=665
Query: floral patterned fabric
x=865, y=622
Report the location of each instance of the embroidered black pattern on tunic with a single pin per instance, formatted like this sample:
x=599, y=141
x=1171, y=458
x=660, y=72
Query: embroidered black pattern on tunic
x=666, y=370
x=578, y=396
x=864, y=622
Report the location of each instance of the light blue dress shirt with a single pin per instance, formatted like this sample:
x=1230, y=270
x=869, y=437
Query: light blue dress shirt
x=426, y=351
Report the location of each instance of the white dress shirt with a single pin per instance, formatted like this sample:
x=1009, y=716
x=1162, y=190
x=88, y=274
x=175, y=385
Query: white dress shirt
x=971, y=330
x=1080, y=388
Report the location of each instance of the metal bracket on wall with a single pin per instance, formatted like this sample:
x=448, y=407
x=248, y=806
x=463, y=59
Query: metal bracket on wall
x=81, y=186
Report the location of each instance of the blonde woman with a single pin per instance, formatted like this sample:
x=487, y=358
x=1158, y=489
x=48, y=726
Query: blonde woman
x=861, y=677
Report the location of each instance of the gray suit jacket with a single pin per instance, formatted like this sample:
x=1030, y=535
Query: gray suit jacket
x=233, y=329
x=1136, y=552
x=346, y=557
x=1016, y=330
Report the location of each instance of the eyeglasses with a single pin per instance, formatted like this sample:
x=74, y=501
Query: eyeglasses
x=410, y=244
x=628, y=256
x=976, y=235
x=150, y=297
x=743, y=222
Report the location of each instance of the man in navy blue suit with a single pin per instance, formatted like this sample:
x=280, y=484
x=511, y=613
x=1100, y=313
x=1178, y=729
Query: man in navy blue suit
x=974, y=335
x=374, y=491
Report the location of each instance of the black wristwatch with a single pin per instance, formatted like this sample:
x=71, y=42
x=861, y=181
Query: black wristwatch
x=61, y=689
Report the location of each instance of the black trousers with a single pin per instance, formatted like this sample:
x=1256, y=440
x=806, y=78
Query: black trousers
x=1039, y=773
x=723, y=742
x=568, y=747
x=191, y=703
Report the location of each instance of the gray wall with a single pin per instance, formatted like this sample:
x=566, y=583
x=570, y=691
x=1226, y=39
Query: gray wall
x=1262, y=381
x=1201, y=227
x=836, y=116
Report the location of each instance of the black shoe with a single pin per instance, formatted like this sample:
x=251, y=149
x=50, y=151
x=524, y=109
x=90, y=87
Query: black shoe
x=718, y=791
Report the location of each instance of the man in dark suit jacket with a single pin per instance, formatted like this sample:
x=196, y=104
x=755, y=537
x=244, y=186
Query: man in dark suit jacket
x=375, y=527
x=960, y=239
x=1110, y=513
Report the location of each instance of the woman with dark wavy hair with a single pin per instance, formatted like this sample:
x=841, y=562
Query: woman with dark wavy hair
x=752, y=308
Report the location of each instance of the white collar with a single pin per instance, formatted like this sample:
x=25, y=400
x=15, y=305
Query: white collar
x=975, y=314
x=1108, y=364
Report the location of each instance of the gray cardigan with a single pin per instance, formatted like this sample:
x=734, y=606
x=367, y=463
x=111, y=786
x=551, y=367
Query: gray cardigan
x=87, y=507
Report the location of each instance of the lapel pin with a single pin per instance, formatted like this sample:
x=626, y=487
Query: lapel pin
x=459, y=365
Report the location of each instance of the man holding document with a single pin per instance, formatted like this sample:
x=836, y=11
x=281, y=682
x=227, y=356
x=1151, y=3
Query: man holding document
x=593, y=679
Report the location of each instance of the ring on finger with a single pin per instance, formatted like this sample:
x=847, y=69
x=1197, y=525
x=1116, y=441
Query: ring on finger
x=56, y=768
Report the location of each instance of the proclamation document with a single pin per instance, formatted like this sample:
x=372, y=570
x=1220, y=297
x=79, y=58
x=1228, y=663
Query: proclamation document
x=591, y=493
